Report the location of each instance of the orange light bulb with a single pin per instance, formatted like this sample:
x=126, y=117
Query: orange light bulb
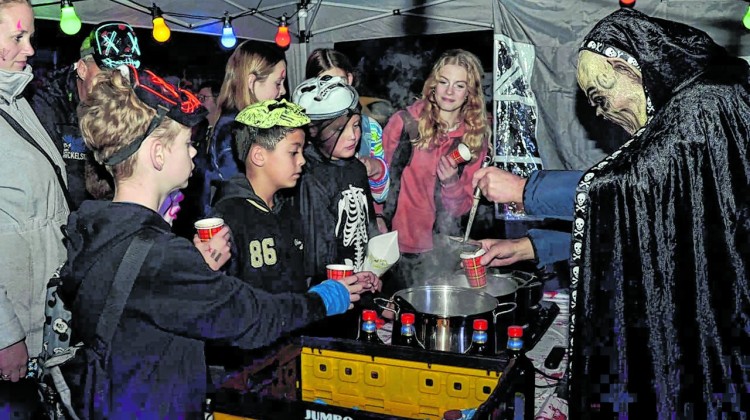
x=283, y=39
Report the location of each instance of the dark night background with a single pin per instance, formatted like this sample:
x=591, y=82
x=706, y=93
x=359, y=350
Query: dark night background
x=392, y=68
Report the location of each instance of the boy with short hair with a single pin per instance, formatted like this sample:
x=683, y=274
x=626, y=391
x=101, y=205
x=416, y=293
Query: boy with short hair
x=138, y=126
x=269, y=139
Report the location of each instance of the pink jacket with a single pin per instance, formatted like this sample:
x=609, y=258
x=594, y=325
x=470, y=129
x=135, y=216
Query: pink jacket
x=416, y=211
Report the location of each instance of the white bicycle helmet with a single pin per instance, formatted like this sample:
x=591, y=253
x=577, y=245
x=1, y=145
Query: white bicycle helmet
x=326, y=97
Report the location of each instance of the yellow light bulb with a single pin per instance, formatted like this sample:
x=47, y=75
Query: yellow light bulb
x=161, y=30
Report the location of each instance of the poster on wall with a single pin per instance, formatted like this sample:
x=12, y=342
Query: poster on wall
x=514, y=114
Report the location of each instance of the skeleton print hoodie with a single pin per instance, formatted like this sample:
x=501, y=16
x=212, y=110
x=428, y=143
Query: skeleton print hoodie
x=337, y=212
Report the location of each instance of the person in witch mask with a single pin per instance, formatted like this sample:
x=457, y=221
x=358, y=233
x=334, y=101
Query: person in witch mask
x=333, y=195
x=660, y=298
x=661, y=301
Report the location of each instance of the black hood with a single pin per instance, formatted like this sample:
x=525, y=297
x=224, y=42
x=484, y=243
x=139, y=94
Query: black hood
x=669, y=54
x=239, y=187
x=91, y=233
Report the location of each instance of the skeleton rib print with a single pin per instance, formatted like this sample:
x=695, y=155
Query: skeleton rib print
x=352, y=211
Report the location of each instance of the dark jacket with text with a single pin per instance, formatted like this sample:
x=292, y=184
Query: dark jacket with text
x=268, y=242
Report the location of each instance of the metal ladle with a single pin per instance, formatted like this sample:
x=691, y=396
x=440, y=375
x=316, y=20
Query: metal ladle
x=477, y=195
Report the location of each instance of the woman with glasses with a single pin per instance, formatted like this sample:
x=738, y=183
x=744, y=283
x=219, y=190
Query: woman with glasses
x=208, y=92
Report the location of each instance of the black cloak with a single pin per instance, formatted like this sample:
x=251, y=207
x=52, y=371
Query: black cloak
x=660, y=305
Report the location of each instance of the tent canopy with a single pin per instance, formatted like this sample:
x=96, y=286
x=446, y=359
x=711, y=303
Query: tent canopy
x=566, y=136
x=323, y=21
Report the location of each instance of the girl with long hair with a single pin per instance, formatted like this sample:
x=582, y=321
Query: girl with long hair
x=429, y=191
x=255, y=72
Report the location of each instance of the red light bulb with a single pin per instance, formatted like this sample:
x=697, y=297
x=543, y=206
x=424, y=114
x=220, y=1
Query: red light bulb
x=283, y=39
x=627, y=3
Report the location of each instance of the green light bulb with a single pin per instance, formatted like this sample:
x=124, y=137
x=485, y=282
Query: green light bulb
x=69, y=21
x=746, y=19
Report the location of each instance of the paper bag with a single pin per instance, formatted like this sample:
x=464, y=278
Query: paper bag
x=382, y=253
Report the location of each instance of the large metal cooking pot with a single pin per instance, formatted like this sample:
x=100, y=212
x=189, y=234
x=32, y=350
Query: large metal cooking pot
x=445, y=315
x=502, y=286
x=523, y=288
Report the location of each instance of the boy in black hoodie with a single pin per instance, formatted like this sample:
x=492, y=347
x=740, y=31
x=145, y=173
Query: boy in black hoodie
x=333, y=197
x=137, y=125
x=269, y=140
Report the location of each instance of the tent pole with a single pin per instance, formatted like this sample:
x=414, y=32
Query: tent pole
x=262, y=9
x=298, y=59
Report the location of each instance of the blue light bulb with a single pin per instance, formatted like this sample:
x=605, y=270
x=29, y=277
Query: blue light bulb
x=228, y=38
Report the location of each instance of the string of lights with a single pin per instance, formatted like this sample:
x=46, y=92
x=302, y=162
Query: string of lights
x=70, y=23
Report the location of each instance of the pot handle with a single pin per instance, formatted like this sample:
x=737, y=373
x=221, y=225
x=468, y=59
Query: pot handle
x=387, y=305
x=512, y=306
x=530, y=283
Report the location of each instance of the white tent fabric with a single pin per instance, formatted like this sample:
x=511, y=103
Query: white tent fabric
x=567, y=137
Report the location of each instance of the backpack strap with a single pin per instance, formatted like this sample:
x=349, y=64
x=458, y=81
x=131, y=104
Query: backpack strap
x=400, y=160
x=127, y=271
x=25, y=134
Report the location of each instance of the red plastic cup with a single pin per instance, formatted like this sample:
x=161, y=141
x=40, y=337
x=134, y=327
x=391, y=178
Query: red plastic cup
x=476, y=273
x=207, y=228
x=339, y=271
x=460, y=154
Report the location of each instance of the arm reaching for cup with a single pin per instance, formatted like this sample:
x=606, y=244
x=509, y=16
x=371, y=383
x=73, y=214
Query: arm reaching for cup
x=369, y=281
x=502, y=252
x=216, y=251
x=339, y=295
x=499, y=186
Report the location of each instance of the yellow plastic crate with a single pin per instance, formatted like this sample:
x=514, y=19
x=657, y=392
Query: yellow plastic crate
x=222, y=416
x=403, y=388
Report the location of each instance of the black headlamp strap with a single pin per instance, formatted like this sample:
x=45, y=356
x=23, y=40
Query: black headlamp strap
x=127, y=151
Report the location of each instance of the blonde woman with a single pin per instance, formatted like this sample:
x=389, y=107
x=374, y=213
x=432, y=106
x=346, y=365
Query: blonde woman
x=34, y=208
x=255, y=72
x=425, y=182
